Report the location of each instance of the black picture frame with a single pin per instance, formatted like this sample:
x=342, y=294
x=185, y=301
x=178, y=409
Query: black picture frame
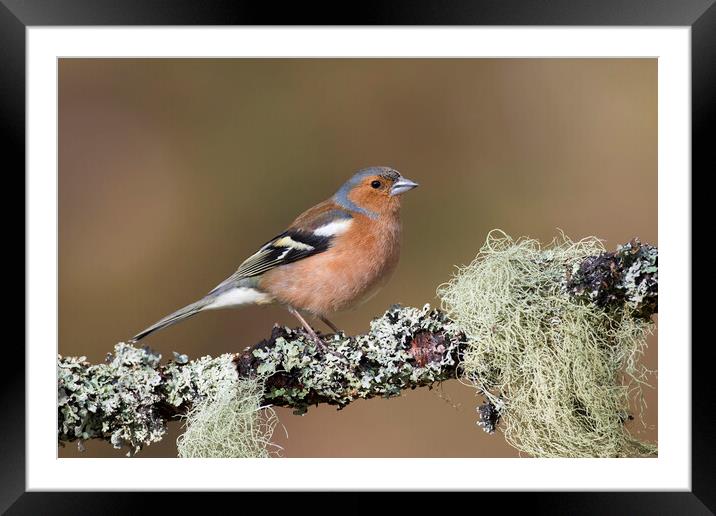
x=17, y=15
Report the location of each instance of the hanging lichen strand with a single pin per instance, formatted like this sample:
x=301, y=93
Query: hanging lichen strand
x=554, y=337
x=230, y=424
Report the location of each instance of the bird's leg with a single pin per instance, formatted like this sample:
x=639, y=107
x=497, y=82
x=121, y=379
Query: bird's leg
x=308, y=328
x=321, y=345
x=329, y=324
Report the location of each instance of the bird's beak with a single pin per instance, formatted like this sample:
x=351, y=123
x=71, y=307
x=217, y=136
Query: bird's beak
x=402, y=185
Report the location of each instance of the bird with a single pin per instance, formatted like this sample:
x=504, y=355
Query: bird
x=332, y=257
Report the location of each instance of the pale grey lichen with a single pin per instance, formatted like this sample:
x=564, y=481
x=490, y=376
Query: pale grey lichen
x=198, y=379
x=406, y=347
x=627, y=279
x=126, y=400
x=114, y=401
x=641, y=279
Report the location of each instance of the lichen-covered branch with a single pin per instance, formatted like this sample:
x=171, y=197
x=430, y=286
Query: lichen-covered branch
x=628, y=277
x=129, y=399
x=404, y=349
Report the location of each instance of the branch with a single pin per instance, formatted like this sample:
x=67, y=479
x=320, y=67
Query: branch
x=129, y=399
x=627, y=278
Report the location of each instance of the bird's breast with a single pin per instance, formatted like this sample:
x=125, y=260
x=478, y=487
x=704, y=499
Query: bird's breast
x=358, y=262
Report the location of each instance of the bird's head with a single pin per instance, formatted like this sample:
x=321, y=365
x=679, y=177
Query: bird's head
x=373, y=191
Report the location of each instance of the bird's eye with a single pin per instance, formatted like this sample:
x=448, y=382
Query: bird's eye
x=376, y=184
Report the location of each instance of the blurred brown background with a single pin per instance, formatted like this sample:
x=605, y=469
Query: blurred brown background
x=172, y=171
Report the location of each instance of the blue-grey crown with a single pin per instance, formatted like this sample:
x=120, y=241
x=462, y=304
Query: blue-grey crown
x=341, y=196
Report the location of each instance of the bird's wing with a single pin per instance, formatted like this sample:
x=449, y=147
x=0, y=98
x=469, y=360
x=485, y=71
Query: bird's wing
x=312, y=235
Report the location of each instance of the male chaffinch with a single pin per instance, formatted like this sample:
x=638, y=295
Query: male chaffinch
x=330, y=258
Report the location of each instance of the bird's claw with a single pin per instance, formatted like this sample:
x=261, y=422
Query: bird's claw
x=322, y=347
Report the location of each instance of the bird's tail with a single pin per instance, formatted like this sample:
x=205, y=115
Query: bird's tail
x=224, y=296
x=174, y=317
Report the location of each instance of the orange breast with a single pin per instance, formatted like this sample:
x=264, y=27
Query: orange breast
x=359, y=262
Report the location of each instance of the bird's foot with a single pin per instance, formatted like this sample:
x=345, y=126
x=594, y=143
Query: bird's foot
x=322, y=347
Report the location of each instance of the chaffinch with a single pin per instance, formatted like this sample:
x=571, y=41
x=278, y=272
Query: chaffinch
x=332, y=257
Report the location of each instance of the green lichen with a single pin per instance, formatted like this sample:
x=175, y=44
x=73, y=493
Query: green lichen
x=231, y=423
x=560, y=374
